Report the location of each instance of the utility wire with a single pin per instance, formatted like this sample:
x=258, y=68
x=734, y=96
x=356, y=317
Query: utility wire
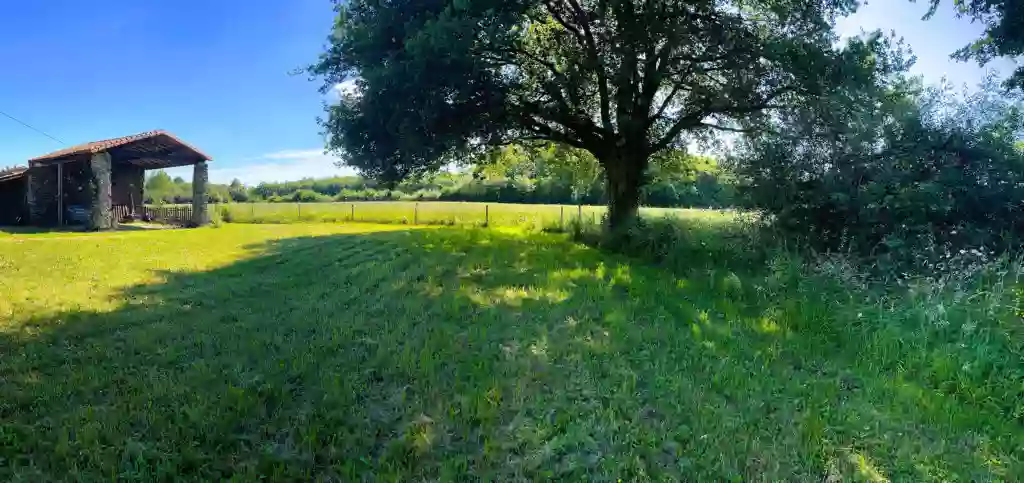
x=23, y=123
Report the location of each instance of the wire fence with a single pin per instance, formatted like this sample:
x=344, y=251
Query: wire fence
x=439, y=213
x=413, y=213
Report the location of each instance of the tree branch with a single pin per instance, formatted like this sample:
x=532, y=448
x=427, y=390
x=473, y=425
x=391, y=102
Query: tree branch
x=656, y=59
x=551, y=88
x=584, y=129
x=557, y=15
x=685, y=122
x=587, y=40
x=729, y=129
x=654, y=73
x=676, y=87
x=547, y=132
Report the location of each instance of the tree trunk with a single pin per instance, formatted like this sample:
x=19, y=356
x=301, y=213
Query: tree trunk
x=624, y=178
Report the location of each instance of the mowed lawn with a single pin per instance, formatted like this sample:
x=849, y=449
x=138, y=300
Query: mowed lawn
x=368, y=352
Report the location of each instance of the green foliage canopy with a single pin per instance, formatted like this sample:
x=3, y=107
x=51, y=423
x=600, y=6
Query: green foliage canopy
x=917, y=176
x=620, y=79
x=159, y=181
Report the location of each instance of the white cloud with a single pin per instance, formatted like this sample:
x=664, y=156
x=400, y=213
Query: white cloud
x=286, y=165
x=347, y=87
x=342, y=89
x=294, y=154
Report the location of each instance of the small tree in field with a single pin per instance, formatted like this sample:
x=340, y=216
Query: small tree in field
x=427, y=82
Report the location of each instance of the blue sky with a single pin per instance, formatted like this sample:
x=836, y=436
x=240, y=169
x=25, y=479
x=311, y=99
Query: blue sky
x=213, y=72
x=217, y=74
x=931, y=41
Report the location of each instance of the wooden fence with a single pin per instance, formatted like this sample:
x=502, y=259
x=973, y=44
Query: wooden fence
x=123, y=212
x=171, y=215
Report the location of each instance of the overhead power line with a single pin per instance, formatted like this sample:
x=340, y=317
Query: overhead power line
x=23, y=123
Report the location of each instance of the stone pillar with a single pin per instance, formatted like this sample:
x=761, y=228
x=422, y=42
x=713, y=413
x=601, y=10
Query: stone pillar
x=102, y=217
x=41, y=195
x=31, y=213
x=200, y=213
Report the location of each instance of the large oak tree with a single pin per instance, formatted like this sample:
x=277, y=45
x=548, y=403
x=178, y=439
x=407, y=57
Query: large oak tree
x=431, y=81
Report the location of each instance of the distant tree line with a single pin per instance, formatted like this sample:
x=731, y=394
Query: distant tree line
x=514, y=174
x=160, y=188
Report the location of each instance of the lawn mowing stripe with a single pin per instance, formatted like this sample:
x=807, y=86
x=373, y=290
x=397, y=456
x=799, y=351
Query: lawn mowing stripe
x=443, y=354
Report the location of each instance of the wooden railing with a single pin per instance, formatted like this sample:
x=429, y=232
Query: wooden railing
x=171, y=215
x=124, y=213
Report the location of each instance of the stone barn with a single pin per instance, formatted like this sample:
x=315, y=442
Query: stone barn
x=95, y=184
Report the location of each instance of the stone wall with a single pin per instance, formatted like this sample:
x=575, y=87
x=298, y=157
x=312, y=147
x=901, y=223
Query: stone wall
x=42, y=183
x=41, y=195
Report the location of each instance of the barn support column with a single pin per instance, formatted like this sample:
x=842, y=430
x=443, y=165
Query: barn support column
x=31, y=214
x=60, y=194
x=200, y=175
x=102, y=217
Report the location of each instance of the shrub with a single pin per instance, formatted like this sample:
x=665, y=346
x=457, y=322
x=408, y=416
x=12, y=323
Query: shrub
x=309, y=196
x=368, y=194
x=225, y=214
x=239, y=195
x=919, y=178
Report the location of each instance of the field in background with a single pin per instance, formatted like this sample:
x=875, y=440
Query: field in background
x=441, y=213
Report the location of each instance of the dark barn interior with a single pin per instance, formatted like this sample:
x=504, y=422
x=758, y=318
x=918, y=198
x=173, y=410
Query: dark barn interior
x=13, y=210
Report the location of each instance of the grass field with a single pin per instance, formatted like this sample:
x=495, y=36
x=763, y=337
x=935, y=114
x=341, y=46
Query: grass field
x=343, y=352
x=434, y=213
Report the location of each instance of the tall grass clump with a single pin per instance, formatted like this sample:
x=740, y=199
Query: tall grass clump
x=958, y=328
x=225, y=213
x=951, y=332
x=723, y=240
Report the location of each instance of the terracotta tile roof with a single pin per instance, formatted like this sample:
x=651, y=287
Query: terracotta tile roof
x=12, y=173
x=100, y=146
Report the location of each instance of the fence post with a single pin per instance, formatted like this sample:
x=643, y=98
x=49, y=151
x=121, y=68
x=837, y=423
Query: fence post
x=353, y=215
x=415, y=213
x=252, y=210
x=298, y=209
x=487, y=215
x=561, y=217
x=579, y=213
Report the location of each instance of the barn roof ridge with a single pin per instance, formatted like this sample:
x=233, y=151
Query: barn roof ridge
x=105, y=144
x=13, y=172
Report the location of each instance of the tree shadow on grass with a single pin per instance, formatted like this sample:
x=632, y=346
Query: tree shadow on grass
x=435, y=354
x=35, y=230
